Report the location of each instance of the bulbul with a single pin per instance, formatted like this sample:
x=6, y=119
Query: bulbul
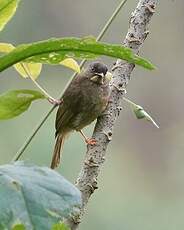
x=83, y=101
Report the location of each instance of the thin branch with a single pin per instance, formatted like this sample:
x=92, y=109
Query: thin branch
x=22, y=149
x=95, y=155
x=111, y=19
x=30, y=138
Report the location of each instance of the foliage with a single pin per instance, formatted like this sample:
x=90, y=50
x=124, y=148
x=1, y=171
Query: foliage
x=60, y=226
x=37, y=197
x=55, y=50
x=7, y=10
x=34, y=68
x=13, y=103
x=140, y=113
x=18, y=227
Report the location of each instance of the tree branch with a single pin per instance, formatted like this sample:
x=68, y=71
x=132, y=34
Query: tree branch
x=95, y=155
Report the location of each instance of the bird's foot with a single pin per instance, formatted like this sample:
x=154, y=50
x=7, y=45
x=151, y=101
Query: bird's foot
x=54, y=101
x=90, y=141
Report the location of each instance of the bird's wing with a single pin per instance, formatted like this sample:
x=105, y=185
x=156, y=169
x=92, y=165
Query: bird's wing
x=70, y=107
x=63, y=118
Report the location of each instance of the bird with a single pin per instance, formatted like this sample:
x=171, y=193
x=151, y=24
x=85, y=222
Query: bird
x=83, y=101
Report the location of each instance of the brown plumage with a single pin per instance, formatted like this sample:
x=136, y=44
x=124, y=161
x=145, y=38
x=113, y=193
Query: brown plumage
x=83, y=101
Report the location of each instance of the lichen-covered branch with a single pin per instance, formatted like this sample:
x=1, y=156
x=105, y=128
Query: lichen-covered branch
x=95, y=155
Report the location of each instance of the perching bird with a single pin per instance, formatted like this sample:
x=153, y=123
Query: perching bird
x=83, y=101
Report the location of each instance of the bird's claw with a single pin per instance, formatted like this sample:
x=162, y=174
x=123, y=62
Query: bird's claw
x=91, y=141
x=54, y=101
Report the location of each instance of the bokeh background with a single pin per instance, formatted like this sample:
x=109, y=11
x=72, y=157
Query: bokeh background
x=141, y=186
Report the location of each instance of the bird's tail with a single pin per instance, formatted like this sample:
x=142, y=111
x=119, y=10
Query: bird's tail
x=57, y=151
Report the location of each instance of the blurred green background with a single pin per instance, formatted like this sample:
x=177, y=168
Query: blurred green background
x=141, y=186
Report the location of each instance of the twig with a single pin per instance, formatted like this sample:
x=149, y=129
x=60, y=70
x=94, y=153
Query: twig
x=44, y=119
x=95, y=155
x=48, y=96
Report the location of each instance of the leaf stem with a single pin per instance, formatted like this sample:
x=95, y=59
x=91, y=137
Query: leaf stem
x=47, y=95
x=130, y=102
x=43, y=120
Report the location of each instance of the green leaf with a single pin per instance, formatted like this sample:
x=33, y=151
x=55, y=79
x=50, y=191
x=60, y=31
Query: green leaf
x=60, y=226
x=140, y=112
x=71, y=63
x=33, y=68
x=13, y=103
x=18, y=227
x=6, y=47
x=53, y=51
x=36, y=196
x=7, y=10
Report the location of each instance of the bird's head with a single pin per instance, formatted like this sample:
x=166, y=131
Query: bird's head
x=98, y=73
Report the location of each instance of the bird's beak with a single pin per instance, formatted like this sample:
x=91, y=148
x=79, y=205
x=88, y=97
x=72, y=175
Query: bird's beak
x=101, y=78
x=100, y=75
